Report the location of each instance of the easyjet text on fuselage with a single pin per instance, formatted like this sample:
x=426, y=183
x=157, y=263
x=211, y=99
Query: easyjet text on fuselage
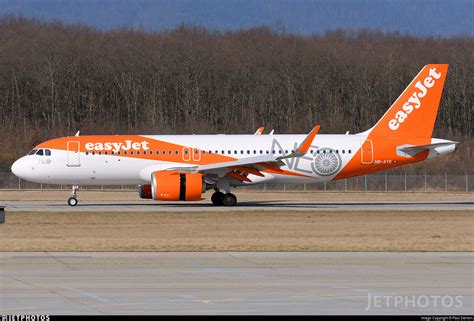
x=117, y=146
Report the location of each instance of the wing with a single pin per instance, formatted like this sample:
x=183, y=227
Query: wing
x=241, y=168
x=259, y=131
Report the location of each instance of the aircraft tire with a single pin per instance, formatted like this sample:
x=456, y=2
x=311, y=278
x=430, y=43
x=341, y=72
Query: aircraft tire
x=218, y=198
x=230, y=199
x=72, y=201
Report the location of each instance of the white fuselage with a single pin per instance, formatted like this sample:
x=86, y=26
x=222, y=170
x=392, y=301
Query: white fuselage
x=88, y=169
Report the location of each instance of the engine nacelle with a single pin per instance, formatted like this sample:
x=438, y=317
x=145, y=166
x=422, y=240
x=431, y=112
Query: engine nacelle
x=144, y=191
x=177, y=186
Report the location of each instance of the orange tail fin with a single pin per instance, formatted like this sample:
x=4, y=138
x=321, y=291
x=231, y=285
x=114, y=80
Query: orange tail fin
x=414, y=113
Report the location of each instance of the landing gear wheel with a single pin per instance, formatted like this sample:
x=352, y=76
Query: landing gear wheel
x=229, y=199
x=72, y=201
x=217, y=198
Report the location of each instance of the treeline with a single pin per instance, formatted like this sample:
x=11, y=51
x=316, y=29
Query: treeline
x=56, y=79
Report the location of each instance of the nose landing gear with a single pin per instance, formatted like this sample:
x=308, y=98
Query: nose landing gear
x=221, y=199
x=72, y=201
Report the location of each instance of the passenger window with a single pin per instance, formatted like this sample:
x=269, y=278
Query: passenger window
x=87, y=153
x=39, y=152
x=131, y=152
x=144, y=152
x=47, y=152
x=343, y=151
x=105, y=153
x=124, y=152
x=241, y=151
x=176, y=152
x=349, y=151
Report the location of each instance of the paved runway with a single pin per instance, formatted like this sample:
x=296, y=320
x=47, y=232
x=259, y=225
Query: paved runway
x=145, y=205
x=244, y=283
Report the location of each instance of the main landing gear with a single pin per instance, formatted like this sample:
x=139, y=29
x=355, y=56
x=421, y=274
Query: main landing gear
x=72, y=201
x=221, y=199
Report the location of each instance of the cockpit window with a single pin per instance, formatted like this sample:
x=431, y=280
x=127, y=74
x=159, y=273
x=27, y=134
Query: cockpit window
x=39, y=152
x=32, y=152
x=47, y=152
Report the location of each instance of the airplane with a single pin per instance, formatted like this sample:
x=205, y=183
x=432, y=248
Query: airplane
x=183, y=167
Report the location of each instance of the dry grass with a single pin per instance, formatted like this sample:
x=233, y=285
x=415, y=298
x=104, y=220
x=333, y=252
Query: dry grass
x=239, y=231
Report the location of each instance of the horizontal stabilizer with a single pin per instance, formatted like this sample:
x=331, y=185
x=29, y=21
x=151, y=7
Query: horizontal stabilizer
x=410, y=150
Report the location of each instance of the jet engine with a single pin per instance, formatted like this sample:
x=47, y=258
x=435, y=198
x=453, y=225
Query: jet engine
x=177, y=186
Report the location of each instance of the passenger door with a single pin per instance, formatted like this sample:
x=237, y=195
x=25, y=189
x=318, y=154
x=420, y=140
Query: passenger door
x=73, y=154
x=367, y=152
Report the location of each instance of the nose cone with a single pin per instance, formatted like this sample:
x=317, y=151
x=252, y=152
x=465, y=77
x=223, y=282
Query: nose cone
x=18, y=168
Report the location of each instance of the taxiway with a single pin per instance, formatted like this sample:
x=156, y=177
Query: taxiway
x=230, y=283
